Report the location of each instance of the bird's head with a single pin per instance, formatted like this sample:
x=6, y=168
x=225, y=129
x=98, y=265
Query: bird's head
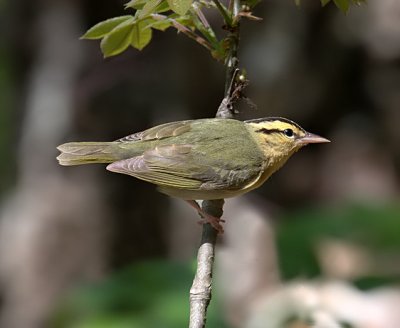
x=280, y=137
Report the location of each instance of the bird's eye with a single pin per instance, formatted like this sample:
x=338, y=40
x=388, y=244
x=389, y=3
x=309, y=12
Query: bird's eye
x=288, y=133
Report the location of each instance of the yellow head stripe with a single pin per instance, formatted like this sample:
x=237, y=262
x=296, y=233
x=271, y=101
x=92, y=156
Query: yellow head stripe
x=276, y=124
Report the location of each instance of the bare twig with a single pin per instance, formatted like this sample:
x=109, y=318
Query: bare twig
x=233, y=94
x=200, y=293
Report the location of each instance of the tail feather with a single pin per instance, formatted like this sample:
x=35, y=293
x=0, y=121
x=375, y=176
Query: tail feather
x=77, y=153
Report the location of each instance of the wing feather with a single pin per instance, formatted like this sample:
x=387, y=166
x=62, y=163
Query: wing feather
x=162, y=166
x=162, y=131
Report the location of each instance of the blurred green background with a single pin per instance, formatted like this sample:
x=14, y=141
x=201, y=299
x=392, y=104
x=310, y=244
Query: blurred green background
x=318, y=244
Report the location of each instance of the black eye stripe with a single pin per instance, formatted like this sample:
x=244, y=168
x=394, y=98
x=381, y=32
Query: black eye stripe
x=270, y=131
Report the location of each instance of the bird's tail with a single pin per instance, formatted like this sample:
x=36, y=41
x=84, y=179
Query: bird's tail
x=77, y=153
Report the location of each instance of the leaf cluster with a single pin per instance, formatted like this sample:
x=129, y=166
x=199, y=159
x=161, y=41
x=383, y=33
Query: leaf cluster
x=186, y=16
x=136, y=30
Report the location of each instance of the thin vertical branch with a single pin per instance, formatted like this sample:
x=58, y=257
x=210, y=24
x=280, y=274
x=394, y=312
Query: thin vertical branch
x=225, y=110
x=232, y=61
x=200, y=292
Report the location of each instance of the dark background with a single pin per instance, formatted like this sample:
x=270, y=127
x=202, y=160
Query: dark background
x=81, y=247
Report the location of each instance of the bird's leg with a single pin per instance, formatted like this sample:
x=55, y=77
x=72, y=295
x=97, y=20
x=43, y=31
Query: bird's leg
x=214, y=221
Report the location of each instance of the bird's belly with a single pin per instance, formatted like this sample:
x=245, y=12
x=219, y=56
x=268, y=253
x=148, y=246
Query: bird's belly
x=200, y=194
x=259, y=181
x=209, y=194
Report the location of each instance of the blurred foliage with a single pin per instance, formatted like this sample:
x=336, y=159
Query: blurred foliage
x=147, y=294
x=155, y=293
x=375, y=227
x=343, y=5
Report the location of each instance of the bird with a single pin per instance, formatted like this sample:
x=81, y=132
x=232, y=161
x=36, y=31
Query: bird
x=201, y=159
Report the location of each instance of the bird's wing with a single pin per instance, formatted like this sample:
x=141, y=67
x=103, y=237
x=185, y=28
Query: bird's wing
x=162, y=131
x=165, y=165
x=181, y=166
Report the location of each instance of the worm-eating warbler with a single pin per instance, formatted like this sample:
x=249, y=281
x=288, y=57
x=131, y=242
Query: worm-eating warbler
x=199, y=159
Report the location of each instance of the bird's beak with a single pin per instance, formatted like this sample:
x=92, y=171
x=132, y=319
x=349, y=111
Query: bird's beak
x=311, y=138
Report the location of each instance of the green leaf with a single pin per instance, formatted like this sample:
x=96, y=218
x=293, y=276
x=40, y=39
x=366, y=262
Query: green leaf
x=160, y=25
x=118, y=40
x=141, y=35
x=185, y=21
x=343, y=5
x=163, y=7
x=139, y=5
x=135, y=4
x=103, y=28
x=180, y=6
x=149, y=8
x=325, y=2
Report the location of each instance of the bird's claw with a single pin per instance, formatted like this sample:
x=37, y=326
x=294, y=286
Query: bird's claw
x=207, y=218
x=215, y=223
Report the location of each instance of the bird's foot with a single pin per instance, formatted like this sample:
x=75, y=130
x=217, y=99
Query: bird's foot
x=215, y=222
x=207, y=218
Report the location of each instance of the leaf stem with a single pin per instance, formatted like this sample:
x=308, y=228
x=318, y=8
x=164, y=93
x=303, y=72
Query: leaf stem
x=182, y=28
x=191, y=35
x=224, y=12
x=201, y=16
x=204, y=27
